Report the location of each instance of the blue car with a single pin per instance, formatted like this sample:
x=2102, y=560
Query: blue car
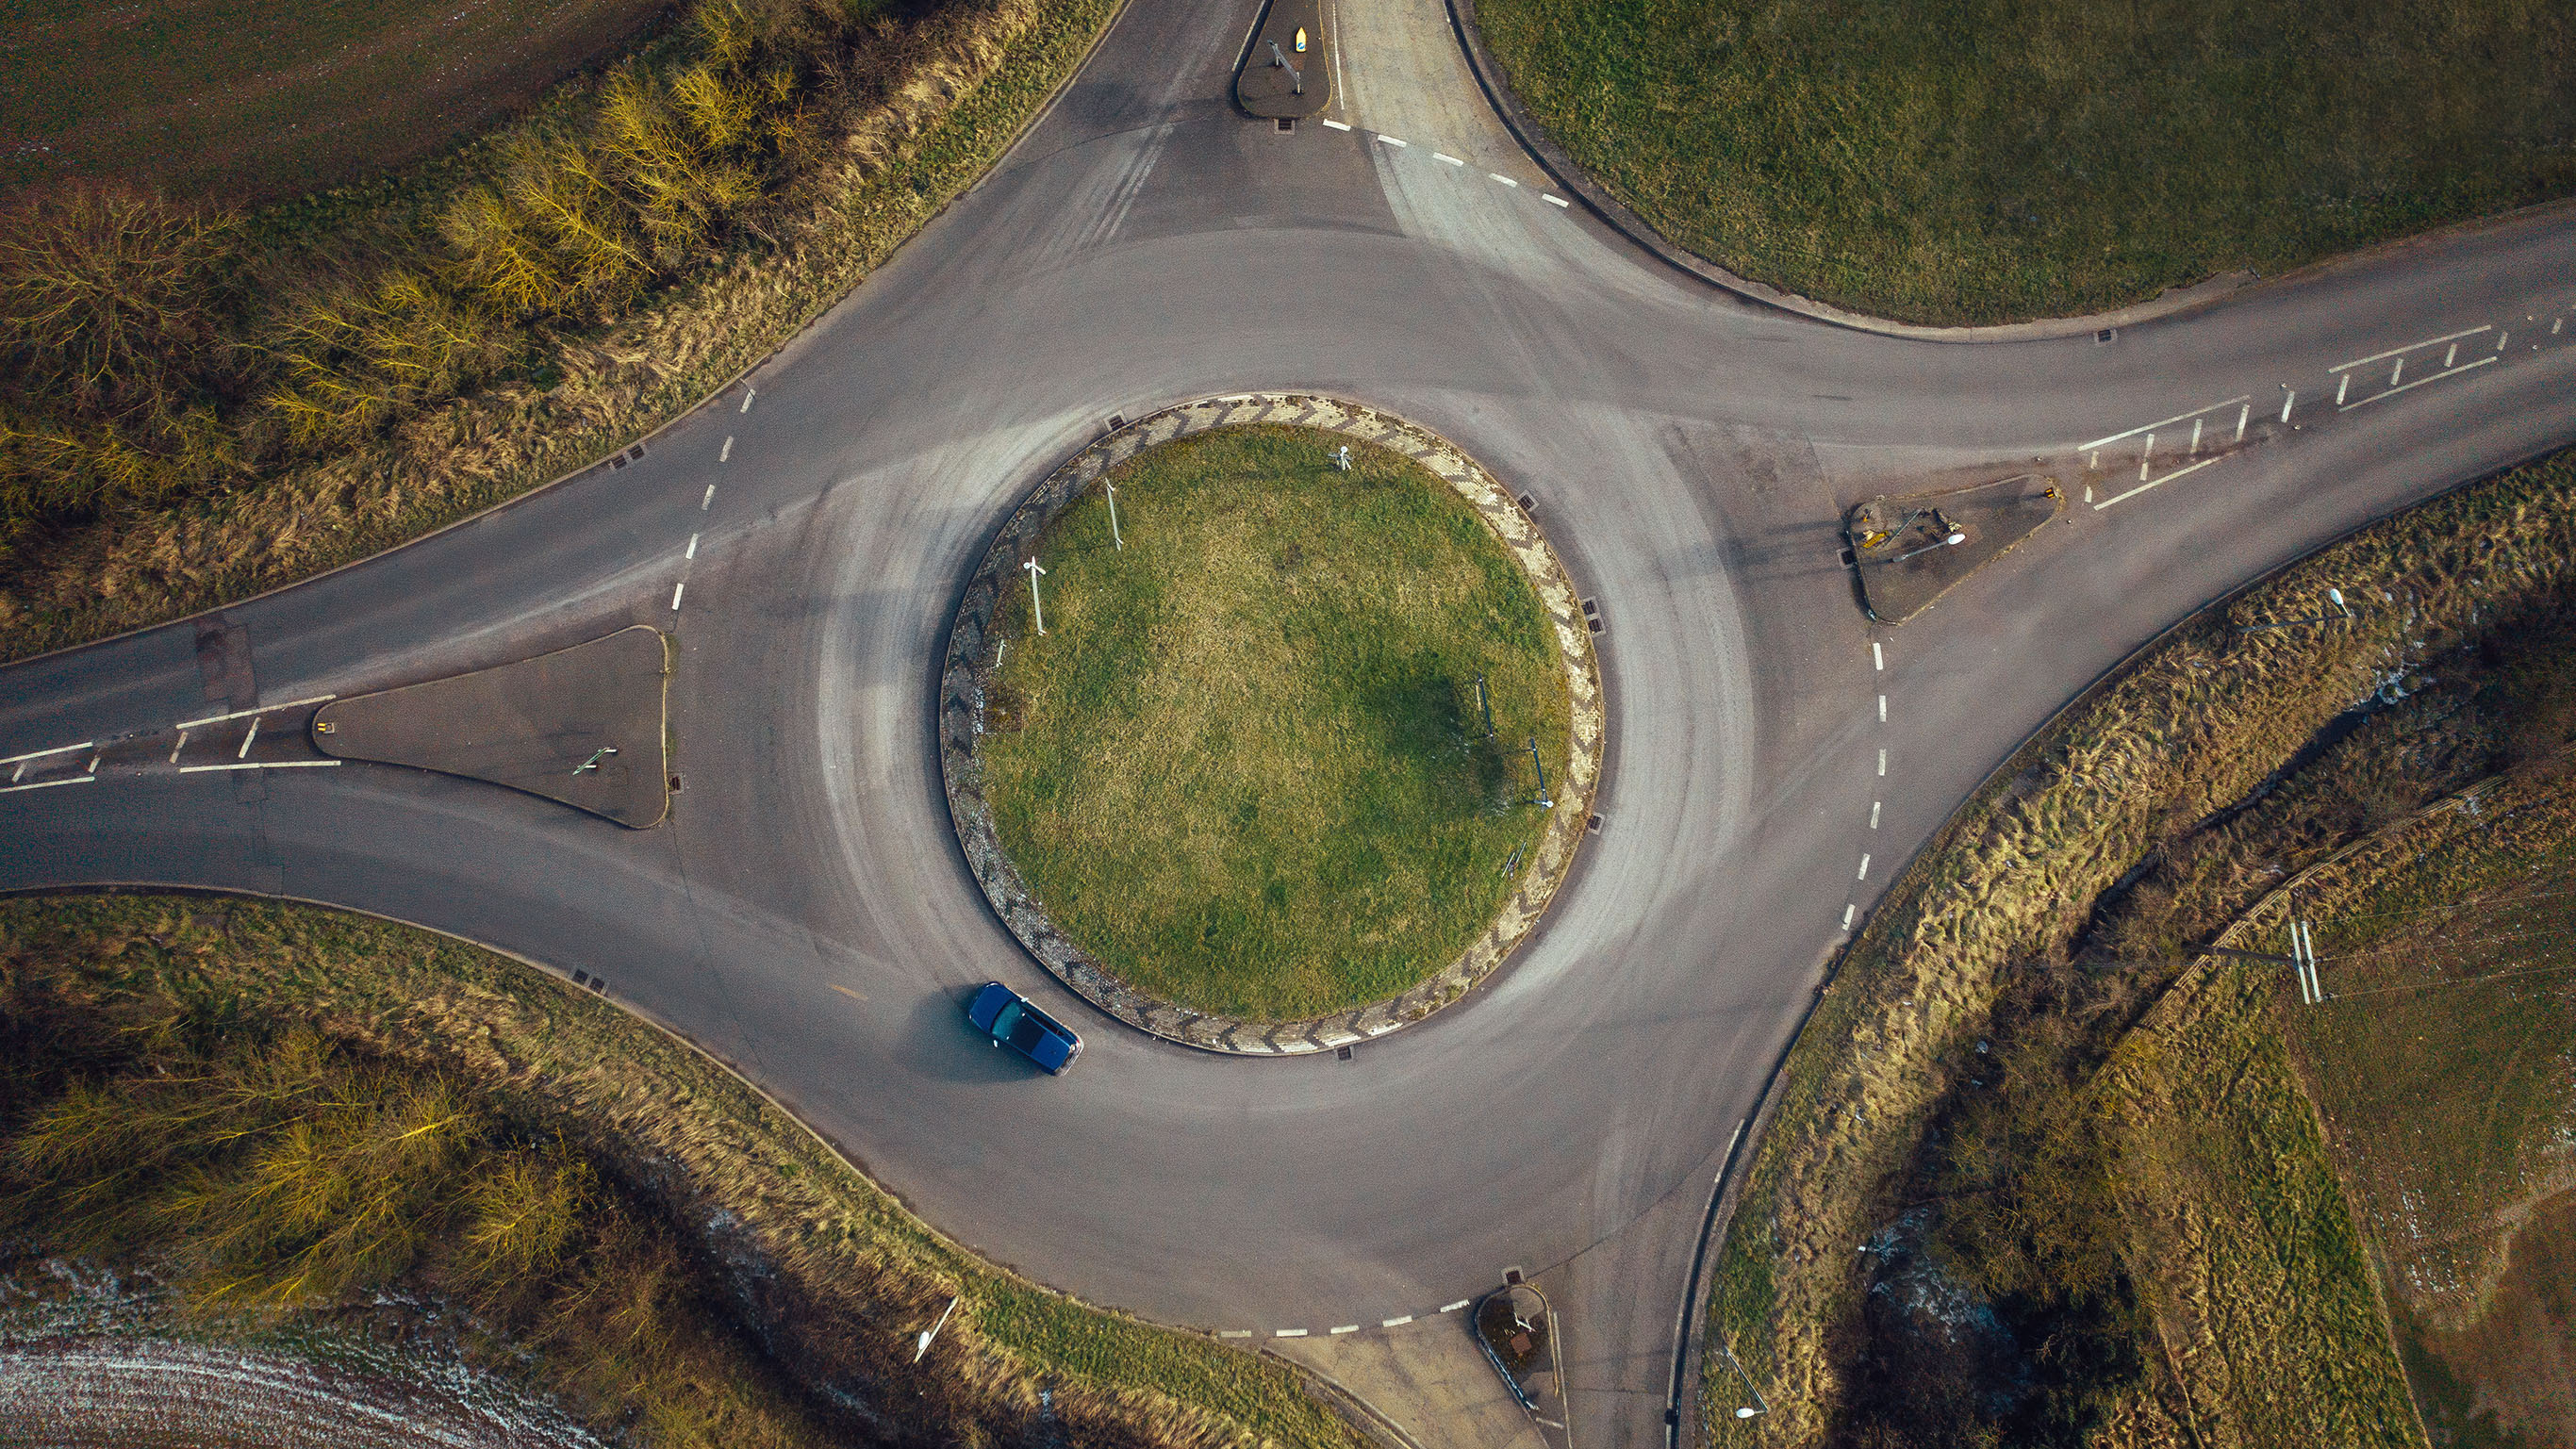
x=1013, y=1020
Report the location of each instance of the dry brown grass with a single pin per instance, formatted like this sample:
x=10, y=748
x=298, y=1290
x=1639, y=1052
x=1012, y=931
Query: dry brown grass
x=833, y=1273
x=936, y=100
x=2189, y=729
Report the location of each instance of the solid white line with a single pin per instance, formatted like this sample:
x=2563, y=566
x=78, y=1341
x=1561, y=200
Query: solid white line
x=1849, y=911
x=1288, y=1333
x=1553, y=199
x=2411, y=346
x=189, y=724
x=1498, y=176
x=2159, y=483
x=1873, y=813
x=48, y=784
x=56, y=750
x=676, y=590
x=693, y=547
x=1395, y=1322
x=1454, y=1307
x=747, y=395
x=1345, y=1328
x=2160, y=422
x=1882, y=709
x=1337, y=125
x=259, y=765
x=1863, y=872
x=725, y=453
x=1395, y=140
x=710, y=498
x=1882, y=762
x=1234, y=1333
x=2419, y=382
x=1445, y=156
x=1877, y=656
x=247, y=736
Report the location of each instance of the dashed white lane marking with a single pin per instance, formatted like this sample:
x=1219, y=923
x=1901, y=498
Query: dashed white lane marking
x=1238, y=1332
x=1454, y=1307
x=42, y=754
x=1288, y=1333
x=1873, y=813
x=175, y=749
x=693, y=547
x=845, y=991
x=247, y=737
x=1394, y=140
x=1445, y=156
x=1877, y=656
x=1498, y=176
x=725, y=453
x=1849, y=911
x=2160, y=422
x=1882, y=762
x=1882, y=709
x=1863, y=872
x=2410, y=347
x=66, y=780
x=747, y=395
x=260, y=765
x=1395, y=1322
x=1345, y=1328
x=2419, y=382
x=709, y=500
x=1337, y=125
x=1552, y=199
x=189, y=724
x=676, y=590
x=2169, y=477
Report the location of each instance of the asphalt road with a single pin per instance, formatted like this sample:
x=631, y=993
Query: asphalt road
x=1690, y=453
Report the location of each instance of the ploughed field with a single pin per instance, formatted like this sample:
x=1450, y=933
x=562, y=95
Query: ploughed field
x=1969, y=161
x=240, y=100
x=1247, y=766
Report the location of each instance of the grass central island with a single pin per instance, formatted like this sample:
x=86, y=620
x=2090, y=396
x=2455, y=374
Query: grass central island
x=1248, y=765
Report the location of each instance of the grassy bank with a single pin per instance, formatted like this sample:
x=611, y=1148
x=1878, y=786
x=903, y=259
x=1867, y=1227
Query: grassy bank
x=236, y=101
x=828, y=1276
x=1247, y=765
x=202, y=404
x=2167, y=765
x=1971, y=161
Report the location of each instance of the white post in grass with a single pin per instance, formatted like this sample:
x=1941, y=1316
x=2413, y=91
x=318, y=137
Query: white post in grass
x=1034, y=570
x=1113, y=518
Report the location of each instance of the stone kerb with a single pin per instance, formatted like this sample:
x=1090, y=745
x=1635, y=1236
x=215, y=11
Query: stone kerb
x=973, y=638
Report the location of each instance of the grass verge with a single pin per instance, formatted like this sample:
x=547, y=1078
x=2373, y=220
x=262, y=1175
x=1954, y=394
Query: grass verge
x=222, y=98
x=1975, y=161
x=1247, y=765
x=824, y=1271
x=328, y=378
x=2165, y=764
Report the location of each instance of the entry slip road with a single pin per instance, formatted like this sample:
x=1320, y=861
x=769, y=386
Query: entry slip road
x=1689, y=463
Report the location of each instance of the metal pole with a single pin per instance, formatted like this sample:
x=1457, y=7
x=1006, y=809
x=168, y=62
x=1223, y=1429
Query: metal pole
x=1486, y=704
x=1295, y=75
x=1034, y=608
x=923, y=1346
x=593, y=762
x=1744, y=1413
x=1544, y=802
x=1113, y=518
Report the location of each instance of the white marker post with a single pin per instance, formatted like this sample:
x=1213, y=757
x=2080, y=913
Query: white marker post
x=1035, y=569
x=1342, y=459
x=1113, y=521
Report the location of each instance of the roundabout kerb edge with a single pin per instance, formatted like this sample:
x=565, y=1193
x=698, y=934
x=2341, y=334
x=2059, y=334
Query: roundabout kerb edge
x=969, y=660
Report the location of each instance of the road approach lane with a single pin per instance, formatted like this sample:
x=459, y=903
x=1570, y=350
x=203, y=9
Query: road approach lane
x=1689, y=453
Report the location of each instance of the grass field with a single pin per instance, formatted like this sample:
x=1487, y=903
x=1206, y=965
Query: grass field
x=242, y=101
x=828, y=1273
x=1974, y=161
x=1246, y=766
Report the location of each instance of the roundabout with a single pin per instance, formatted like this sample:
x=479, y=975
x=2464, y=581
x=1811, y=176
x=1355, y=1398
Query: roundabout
x=1311, y=743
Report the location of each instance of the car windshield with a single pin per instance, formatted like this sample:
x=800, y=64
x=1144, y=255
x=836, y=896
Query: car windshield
x=1006, y=1021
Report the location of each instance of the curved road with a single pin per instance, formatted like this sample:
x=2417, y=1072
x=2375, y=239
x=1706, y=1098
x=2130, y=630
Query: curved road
x=1689, y=452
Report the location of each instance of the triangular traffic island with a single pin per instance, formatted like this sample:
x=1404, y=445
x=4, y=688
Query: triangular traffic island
x=1288, y=71
x=582, y=726
x=1909, y=549
x=1520, y=1336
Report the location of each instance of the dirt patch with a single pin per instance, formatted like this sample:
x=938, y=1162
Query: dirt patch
x=2509, y=1379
